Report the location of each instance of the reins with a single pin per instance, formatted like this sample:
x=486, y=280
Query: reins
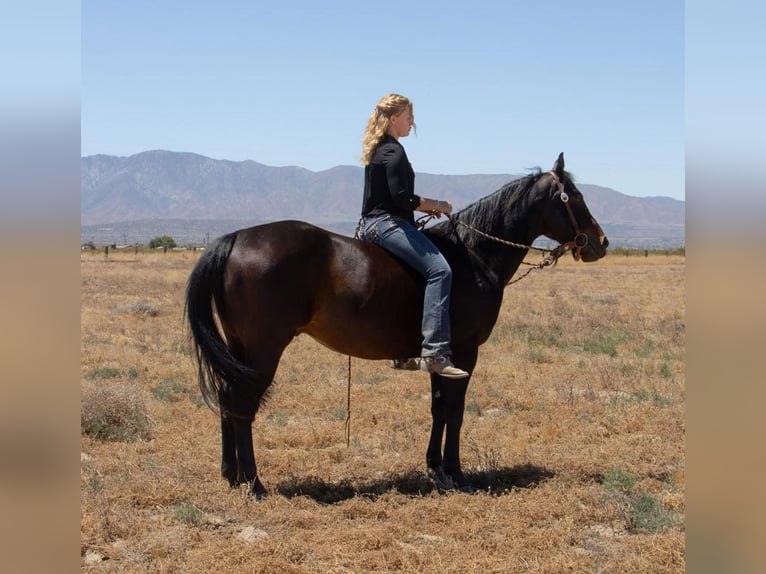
x=576, y=245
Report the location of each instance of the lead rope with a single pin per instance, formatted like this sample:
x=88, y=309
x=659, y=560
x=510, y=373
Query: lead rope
x=348, y=406
x=347, y=424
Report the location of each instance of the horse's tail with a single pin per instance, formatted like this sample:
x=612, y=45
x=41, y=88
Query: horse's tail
x=226, y=383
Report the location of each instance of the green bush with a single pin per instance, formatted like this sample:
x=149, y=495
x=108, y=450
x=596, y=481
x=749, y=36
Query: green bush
x=186, y=513
x=162, y=241
x=104, y=373
x=640, y=510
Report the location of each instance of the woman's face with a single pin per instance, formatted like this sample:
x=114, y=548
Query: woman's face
x=401, y=124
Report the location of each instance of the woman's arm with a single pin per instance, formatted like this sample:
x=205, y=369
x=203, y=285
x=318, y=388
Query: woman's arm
x=434, y=206
x=397, y=168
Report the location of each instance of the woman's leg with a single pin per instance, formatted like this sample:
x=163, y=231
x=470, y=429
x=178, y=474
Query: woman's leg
x=404, y=240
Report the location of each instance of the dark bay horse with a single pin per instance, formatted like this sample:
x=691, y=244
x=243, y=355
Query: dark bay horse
x=271, y=282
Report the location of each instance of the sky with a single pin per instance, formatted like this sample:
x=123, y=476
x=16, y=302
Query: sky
x=497, y=87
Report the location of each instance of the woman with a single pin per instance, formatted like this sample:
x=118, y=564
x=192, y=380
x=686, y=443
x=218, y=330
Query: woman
x=388, y=221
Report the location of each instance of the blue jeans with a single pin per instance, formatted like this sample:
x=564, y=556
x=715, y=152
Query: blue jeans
x=403, y=239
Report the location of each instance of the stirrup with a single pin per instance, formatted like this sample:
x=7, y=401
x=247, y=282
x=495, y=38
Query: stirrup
x=411, y=364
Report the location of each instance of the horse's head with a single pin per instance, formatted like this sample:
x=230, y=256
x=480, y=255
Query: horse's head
x=567, y=218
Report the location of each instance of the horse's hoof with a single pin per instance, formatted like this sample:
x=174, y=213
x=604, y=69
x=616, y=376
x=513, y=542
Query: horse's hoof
x=233, y=481
x=230, y=476
x=444, y=481
x=258, y=490
x=468, y=489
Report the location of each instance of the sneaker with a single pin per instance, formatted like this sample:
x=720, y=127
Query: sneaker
x=411, y=364
x=442, y=366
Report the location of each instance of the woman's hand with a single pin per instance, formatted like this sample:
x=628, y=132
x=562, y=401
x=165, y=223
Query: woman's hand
x=435, y=207
x=444, y=207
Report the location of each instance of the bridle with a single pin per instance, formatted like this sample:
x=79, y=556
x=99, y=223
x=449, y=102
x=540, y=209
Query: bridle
x=580, y=240
x=576, y=245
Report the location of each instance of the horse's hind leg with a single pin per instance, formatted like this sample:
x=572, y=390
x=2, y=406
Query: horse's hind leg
x=247, y=471
x=237, y=455
x=228, y=451
x=237, y=431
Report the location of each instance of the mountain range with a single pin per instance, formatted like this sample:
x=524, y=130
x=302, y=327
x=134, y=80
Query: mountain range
x=194, y=198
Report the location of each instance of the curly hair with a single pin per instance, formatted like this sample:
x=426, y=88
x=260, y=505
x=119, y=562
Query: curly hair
x=380, y=119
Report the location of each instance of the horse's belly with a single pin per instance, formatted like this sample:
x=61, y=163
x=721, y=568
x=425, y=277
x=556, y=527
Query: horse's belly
x=367, y=334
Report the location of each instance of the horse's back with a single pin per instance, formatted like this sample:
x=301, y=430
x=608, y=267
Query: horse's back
x=349, y=294
x=279, y=237
x=276, y=259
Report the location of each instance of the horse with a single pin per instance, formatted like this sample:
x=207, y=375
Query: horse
x=269, y=283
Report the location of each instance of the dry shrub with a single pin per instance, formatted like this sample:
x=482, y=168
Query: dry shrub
x=139, y=308
x=115, y=412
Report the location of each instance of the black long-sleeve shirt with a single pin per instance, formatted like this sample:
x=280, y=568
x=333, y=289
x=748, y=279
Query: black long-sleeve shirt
x=389, y=182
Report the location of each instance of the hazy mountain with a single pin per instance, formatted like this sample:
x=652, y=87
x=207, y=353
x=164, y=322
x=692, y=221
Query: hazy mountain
x=192, y=197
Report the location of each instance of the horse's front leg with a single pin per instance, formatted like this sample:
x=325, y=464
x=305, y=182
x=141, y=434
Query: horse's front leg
x=447, y=408
x=434, y=452
x=453, y=398
x=447, y=405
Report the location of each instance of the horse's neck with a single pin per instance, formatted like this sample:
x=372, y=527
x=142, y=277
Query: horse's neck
x=491, y=259
x=501, y=260
x=506, y=217
x=501, y=253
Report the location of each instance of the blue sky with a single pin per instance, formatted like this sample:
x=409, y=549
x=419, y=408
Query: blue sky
x=498, y=87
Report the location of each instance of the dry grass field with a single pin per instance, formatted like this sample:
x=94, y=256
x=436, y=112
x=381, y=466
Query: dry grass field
x=574, y=429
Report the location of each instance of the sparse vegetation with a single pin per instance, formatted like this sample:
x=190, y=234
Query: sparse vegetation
x=640, y=510
x=574, y=432
x=634, y=251
x=186, y=513
x=104, y=373
x=114, y=412
x=140, y=308
x=171, y=389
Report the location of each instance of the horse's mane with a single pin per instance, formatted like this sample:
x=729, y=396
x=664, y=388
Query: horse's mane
x=491, y=212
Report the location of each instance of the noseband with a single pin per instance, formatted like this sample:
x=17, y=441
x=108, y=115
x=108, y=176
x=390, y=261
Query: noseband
x=580, y=240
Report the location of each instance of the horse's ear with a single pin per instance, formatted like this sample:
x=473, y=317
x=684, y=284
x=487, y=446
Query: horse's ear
x=558, y=167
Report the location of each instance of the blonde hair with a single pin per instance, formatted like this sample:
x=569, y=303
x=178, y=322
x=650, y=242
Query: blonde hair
x=379, y=122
